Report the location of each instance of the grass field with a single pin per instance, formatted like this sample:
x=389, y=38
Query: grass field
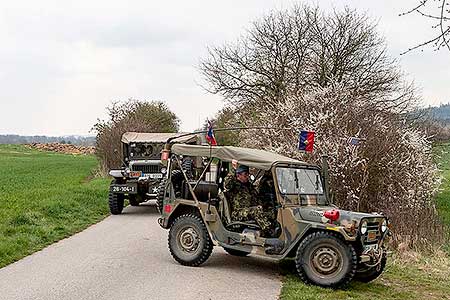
x=45, y=197
x=442, y=156
x=416, y=277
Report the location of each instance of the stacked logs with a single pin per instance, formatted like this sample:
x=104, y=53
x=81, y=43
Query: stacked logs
x=63, y=148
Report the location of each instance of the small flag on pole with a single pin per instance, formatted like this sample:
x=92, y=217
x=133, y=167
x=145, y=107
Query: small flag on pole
x=306, y=141
x=210, y=135
x=354, y=141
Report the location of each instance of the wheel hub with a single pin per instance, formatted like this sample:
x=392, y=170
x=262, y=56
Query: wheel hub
x=189, y=239
x=326, y=260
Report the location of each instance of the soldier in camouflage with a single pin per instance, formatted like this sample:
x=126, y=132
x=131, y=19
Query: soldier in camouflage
x=266, y=194
x=244, y=200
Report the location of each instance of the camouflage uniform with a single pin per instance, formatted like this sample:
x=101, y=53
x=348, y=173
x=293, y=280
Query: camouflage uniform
x=266, y=194
x=244, y=203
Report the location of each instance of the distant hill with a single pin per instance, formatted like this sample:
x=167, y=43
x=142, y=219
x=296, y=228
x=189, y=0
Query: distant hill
x=68, y=139
x=439, y=113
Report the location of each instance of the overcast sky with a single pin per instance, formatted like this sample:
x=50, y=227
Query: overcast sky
x=63, y=62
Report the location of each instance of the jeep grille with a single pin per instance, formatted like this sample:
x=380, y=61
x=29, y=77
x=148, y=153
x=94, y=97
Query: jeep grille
x=147, y=169
x=373, y=234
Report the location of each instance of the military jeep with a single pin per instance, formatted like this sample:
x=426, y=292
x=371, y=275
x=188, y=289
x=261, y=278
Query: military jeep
x=139, y=178
x=330, y=246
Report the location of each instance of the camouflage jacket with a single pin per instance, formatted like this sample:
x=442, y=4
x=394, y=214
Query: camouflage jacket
x=240, y=195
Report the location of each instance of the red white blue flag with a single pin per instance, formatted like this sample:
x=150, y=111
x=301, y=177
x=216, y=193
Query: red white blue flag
x=306, y=141
x=210, y=135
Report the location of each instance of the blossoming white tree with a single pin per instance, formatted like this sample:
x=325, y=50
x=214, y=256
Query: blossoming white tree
x=302, y=69
x=389, y=171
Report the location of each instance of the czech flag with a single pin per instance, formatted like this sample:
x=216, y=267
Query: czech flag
x=306, y=141
x=210, y=135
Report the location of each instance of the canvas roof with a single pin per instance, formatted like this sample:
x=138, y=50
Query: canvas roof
x=259, y=159
x=155, y=137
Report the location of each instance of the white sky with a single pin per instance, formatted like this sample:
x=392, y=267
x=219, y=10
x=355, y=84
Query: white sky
x=63, y=62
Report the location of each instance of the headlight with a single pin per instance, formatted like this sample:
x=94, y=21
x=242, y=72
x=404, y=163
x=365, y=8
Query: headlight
x=384, y=226
x=364, y=227
x=163, y=170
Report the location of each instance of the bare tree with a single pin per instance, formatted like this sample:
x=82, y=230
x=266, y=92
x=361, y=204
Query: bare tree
x=440, y=14
x=289, y=51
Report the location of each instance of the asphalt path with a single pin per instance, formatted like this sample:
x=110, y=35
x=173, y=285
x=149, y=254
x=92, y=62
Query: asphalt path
x=126, y=257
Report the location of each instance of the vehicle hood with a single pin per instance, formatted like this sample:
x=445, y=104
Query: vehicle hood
x=315, y=214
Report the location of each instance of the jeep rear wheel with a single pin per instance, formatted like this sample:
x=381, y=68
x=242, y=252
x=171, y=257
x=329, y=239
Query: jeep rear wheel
x=189, y=241
x=367, y=274
x=326, y=260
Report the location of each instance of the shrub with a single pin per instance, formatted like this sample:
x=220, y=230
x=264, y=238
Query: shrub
x=132, y=115
x=391, y=171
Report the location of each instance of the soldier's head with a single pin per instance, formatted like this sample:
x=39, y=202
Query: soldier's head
x=242, y=173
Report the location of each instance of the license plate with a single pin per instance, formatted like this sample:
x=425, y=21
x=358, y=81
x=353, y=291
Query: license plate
x=135, y=174
x=123, y=189
x=370, y=247
x=157, y=175
x=372, y=235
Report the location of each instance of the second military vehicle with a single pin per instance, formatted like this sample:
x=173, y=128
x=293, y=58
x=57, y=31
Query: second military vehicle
x=139, y=178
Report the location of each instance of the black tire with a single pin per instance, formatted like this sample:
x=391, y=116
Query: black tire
x=177, y=178
x=186, y=165
x=189, y=241
x=160, y=195
x=324, y=259
x=115, y=202
x=235, y=252
x=368, y=274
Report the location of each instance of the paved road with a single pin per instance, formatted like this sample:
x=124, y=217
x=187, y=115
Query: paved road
x=126, y=257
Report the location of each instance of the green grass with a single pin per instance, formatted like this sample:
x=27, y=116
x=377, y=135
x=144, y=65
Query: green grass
x=399, y=281
x=421, y=278
x=45, y=197
x=442, y=157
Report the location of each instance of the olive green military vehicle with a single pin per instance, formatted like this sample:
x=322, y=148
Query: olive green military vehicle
x=330, y=246
x=140, y=176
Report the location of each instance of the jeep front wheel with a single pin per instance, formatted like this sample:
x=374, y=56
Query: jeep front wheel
x=189, y=241
x=367, y=274
x=115, y=203
x=326, y=260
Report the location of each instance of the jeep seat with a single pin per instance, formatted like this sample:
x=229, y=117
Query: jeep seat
x=205, y=190
x=224, y=210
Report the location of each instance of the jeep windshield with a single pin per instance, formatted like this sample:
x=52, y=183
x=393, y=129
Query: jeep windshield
x=301, y=186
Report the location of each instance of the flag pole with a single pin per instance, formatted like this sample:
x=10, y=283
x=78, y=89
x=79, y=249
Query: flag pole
x=210, y=142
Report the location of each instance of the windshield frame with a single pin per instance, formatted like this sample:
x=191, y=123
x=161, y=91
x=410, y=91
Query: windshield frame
x=287, y=196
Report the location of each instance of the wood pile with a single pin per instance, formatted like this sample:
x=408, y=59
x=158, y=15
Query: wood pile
x=63, y=148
